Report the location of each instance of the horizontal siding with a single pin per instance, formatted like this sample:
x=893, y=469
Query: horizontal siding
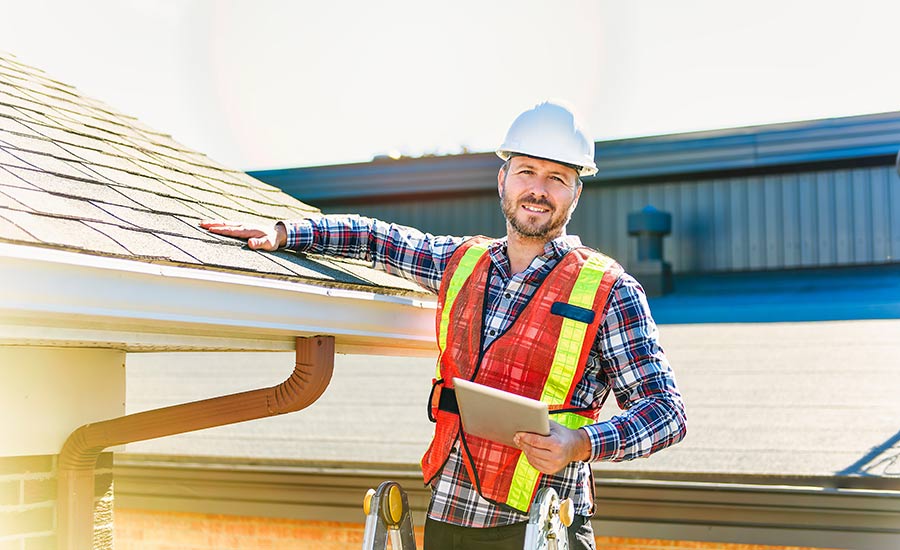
x=821, y=218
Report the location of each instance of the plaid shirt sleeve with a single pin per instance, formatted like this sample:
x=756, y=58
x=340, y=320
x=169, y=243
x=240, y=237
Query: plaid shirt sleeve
x=653, y=415
x=395, y=249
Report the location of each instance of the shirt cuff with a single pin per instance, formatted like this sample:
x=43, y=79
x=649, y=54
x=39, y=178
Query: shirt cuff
x=605, y=440
x=299, y=234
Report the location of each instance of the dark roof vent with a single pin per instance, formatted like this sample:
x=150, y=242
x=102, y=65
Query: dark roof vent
x=650, y=225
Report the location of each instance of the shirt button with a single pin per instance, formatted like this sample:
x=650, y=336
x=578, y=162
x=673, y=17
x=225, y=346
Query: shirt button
x=492, y=332
x=507, y=295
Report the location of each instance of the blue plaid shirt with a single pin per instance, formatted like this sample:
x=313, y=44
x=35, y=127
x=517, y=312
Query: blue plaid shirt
x=626, y=358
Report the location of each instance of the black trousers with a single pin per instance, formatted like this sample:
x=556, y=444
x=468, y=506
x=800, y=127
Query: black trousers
x=444, y=536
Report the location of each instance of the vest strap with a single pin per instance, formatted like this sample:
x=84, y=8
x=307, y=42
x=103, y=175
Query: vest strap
x=460, y=276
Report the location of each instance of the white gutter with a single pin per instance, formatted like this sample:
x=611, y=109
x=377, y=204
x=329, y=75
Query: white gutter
x=62, y=298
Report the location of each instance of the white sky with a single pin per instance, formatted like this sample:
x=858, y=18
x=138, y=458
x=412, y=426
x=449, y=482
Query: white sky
x=279, y=83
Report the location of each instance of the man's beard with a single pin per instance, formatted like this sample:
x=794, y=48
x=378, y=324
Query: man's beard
x=546, y=231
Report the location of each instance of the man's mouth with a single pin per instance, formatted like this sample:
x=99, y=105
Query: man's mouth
x=535, y=209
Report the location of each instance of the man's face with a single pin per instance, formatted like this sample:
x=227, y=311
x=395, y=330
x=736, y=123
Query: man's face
x=538, y=197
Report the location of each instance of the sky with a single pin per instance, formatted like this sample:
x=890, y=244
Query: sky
x=259, y=84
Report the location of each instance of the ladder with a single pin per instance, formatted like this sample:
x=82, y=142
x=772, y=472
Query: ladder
x=548, y=522
x=388, y=518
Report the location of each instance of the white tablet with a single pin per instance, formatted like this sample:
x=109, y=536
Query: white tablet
x=496, y=414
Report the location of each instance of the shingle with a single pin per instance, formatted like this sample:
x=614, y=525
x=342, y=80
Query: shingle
x=11, y=160
x=324, y=268
x=12, y=88
x=130, y=152
x=21, y=102
x=235, y=190
x=162, y=204
x=37, y=144
x=58, y=120
x=55, y=92
x=7, y=201
x=206, y=196
x=49, y=164
x=168, y=174
x=12, y=232
x=227, y=255
x=198, y=168
x=234, y=215
x=165, y=140
x=376, y=277
x=125, y=178
x=298, y=264
x=135, y=181
x=48, y=203
x=25, y=72
x=48, y=129
x=10, y=112
x=63, y=232
x=155, y=221
x=56, y=101
x=8, y=179
x=105, y=156
x=203, y=213
x=73, y=188
x=14, y=125
x=144, y=243
x=33, y=117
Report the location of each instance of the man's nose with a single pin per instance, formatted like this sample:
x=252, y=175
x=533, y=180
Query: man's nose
x=538, y=186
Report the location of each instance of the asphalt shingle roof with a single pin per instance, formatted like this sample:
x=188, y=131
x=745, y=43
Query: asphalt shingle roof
x=76, y=174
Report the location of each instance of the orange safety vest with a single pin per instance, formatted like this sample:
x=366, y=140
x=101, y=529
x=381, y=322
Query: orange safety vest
x=541, y=356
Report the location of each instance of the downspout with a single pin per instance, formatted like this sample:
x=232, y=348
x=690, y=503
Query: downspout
x=75, y=512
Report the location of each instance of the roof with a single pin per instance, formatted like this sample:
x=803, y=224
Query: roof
x=822, y=294
x=854, y=141
x=809, y=403
x=85, y=187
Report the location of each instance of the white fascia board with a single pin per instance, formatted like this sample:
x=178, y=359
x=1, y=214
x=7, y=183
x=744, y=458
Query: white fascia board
x=59, y=298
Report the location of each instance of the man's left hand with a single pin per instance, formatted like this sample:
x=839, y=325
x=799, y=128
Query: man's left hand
x=551, y=453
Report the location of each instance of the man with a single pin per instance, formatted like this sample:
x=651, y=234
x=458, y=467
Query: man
x=535, y=313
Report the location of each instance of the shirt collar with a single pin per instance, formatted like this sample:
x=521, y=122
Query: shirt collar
x=555, y=249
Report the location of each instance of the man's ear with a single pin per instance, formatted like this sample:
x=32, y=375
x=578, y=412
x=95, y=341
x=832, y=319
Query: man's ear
x=500, y=177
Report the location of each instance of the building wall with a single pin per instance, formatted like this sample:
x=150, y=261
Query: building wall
x=812, y=218
x=28, y=503
x=152, y=530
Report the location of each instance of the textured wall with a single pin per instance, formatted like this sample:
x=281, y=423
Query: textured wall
x=819, y=218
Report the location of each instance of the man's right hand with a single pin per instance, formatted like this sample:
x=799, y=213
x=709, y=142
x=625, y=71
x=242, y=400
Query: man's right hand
x=258, y=237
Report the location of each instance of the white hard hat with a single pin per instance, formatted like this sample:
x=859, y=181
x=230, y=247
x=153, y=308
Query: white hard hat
x=549, y=131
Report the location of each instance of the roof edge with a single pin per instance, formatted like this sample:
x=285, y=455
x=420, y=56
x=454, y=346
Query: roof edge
x=62, y=298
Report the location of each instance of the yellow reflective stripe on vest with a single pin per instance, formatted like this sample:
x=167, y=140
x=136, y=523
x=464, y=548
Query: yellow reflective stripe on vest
x=460, y=276
x=523, y=486
x=571, y=420
x=562, y=374
x=525, y=477
x=572, y=333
